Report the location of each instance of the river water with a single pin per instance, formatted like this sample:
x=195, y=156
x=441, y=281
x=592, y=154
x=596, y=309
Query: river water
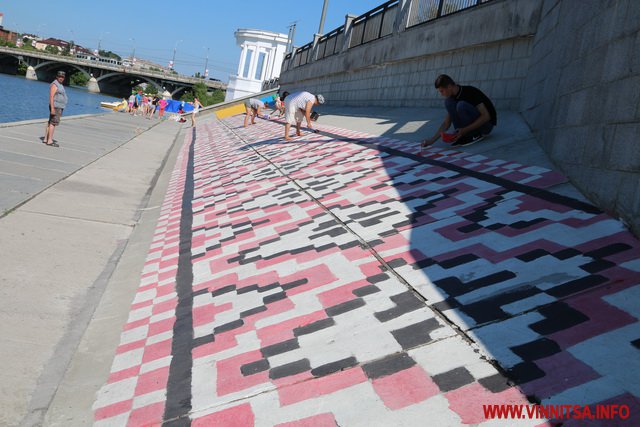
x=22, y=99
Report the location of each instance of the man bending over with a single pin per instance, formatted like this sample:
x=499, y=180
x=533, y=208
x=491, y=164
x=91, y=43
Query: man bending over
x=298, y=106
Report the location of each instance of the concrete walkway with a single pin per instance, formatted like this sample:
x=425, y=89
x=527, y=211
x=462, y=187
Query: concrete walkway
x=511, y=140
x=342, y=279
x=26, y=168
x=60, y=247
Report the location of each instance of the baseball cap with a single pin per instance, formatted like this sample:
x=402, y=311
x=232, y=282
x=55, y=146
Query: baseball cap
x=320, y=99
x=61, y=74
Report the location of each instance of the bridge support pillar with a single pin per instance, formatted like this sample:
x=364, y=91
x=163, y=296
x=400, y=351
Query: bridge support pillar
x=31, y=73
x=92, y=85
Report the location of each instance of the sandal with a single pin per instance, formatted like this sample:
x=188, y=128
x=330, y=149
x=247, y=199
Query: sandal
x=53, y=144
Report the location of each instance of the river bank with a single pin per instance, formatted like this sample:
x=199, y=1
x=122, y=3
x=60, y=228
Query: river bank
x=27, y=100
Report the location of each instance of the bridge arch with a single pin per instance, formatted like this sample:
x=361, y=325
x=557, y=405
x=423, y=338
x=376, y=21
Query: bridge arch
x=64, y=64
x=178, y=90
x=126, y=76
x=13, y=55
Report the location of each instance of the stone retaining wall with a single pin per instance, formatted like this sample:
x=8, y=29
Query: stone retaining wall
x=572, y=69
x=582, y=98
x=472, y=46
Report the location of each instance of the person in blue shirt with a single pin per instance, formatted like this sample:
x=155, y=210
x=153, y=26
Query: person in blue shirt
x=137, y=105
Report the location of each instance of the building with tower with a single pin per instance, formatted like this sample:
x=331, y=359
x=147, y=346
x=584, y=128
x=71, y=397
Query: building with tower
x=261, y=58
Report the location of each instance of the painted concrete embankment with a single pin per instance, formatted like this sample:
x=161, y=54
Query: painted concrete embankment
x=571, y=68
x=341, y=279
x=70, y=214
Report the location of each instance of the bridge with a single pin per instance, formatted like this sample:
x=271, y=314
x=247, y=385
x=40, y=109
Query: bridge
x=103, y=77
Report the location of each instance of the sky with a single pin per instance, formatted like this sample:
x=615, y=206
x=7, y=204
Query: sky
x=192, y=27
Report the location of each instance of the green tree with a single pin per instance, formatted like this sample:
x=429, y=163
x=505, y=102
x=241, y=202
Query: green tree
x=109, y=54
x=52, y=49
x=151, y=90
x=7, y=43
x=26, y=45
x=217, y=96
x=200, y=91
x=78, y=79
x=22, y=69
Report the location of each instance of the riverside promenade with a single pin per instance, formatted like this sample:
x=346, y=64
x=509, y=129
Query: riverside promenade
x=344, y=278
x=70, y=216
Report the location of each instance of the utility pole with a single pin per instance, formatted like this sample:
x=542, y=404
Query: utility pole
x=206, y=62
x=133, y=55
x=100, y=40
x=324, y=12
x=173, y=60
x=292, y=34
x=288, y=40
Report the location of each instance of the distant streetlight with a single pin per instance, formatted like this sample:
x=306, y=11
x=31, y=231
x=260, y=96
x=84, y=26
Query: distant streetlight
x=206, y=62
x=40, y=28
x=173, y=61
x=133, y=55
x=72, y=48
x=100, y=40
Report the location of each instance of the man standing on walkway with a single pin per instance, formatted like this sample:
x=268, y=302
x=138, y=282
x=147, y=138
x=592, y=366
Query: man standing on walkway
x=57, y=103
x=298, y=106
x=468, y=108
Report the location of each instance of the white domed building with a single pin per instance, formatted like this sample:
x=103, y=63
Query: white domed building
x=260, y=60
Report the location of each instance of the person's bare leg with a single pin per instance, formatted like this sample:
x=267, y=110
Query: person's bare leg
x=246, y=116
x=254, y=113
x=49, y=136
x=298, y=128
x=287, y=127
x=193, y=120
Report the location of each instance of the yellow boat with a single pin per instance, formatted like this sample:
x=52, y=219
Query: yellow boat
x=113, y=105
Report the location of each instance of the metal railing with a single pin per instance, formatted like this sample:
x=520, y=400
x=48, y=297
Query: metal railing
x=271, y=84
x=302, y=55
x=331, y=43
x=427, y=10
x=374, y=24
x=286, y=61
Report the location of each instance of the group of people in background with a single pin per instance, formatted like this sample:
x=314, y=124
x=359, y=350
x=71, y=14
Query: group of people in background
x=146, y=106
x=138, y=104
x=293, y=106
x=469, y=110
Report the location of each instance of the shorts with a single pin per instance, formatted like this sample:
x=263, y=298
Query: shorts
x=294, y=116
x=54, y=119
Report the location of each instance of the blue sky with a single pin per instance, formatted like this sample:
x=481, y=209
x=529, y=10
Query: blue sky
x=158, y=26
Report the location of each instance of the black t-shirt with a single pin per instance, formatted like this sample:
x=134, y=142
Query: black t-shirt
x=475, y=96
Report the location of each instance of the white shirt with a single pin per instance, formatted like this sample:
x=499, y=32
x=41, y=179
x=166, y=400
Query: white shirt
x=256, y=103
x=298, y=100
